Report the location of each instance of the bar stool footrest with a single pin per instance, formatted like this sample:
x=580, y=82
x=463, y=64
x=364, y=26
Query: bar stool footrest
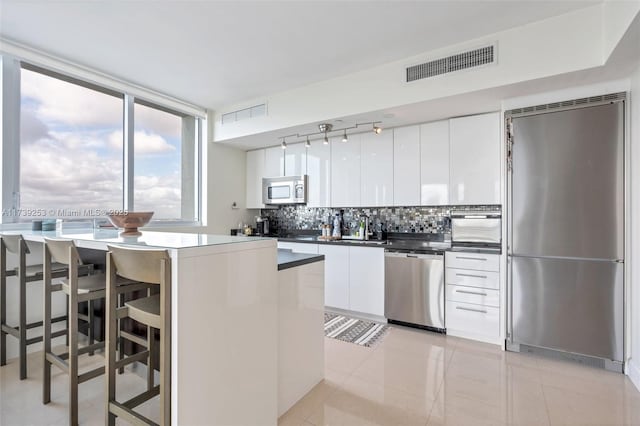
x=129, y=415
x=131, y=359
x=142, y=398
x=90, y=374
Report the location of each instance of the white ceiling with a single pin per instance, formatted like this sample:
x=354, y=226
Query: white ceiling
x=215, y=53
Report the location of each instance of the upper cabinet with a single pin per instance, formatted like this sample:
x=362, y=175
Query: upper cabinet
x=345, y=172
x=376, y=169
x=434, y=163
x=274, y=162
x=475, y=159
x=319, y=171
x=255, y=172
x=295, y=160
x=406, y=166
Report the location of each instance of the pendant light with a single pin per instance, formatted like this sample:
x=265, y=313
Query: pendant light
x=325, y=128
x=307, y=144
x=283, y=145
x=377, y=129
x=344, y=138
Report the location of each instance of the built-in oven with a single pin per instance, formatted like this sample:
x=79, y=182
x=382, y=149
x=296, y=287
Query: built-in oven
x=476, y=228
x=285, y=190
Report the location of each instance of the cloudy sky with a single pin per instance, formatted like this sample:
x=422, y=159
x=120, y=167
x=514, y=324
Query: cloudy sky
x=71, y=150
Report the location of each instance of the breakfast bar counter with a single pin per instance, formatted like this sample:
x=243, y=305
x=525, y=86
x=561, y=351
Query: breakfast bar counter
x=224, y=319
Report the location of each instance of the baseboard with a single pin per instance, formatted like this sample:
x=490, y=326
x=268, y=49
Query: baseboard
x=354, y=314
x=633, y=371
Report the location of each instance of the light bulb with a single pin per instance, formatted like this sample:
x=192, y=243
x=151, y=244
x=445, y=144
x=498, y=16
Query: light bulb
x=326, y=140
x=344, y=138
x=307, y=144
x=283, y=145
x=377, y=130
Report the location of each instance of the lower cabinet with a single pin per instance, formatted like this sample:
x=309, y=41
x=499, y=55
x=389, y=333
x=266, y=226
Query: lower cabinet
x=336, y=275
x=366, y=280
x=354, y=276
x=472, y=296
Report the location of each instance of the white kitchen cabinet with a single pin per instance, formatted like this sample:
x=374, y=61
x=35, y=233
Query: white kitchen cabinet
x=473, y=296
x=254, y=174
x=299, y=247
x=319, y=171
x=345, y=172
x=406, y=166
x=295, y=160
x=336, y=275
x=376, y=169
x=273, y=162
x=475, y=159
x=434, y=163
x=366, y=280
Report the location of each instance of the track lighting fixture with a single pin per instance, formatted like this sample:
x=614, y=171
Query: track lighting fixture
x=326, y=128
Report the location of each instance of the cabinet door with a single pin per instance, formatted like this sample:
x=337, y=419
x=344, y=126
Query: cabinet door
x=376, y=169
x=336, y=275
x=475, y=159
x=298, y=247
x=366, y=280
x=255, y=172
x=295, y=160
x=434, y=163
x=319, y=171
x=406, y=166
x=274, y=162
x=345, y=172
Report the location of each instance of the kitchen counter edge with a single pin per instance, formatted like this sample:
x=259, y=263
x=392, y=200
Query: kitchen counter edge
x=288, y=259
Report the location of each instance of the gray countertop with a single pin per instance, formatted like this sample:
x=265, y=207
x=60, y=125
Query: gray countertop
x=288, y=259
x=408, y=244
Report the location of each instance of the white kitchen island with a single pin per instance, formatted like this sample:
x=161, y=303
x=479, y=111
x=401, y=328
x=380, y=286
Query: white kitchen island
x=225, y=323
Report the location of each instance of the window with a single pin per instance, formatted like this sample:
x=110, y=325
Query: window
x=73, y=141
x=70, y=147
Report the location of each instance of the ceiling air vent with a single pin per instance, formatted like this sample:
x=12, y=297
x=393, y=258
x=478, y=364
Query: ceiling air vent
x=243, y=114
x=472, y=58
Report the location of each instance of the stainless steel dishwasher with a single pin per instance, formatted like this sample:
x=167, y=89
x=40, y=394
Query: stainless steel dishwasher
x=414, y=289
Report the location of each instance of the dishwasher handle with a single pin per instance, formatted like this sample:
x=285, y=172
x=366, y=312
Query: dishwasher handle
x=413, y=255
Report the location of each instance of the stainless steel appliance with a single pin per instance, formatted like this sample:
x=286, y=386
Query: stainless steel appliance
x=476, y=228
x=565, y=232
x=414, y=289
x=285, y=190
x=262, y=225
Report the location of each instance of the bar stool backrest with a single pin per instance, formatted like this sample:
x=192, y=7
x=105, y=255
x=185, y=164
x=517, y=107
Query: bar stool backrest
x=144, y=265
x=12, y=243
x=62, y=250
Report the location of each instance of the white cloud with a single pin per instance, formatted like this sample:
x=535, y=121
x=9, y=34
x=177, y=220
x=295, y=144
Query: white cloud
x=161, y=194
x=70, y=104
x=144, y=143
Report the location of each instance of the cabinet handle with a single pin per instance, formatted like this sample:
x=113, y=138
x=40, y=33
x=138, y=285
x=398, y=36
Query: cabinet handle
x=471, y=292
x=471, y=310
x=471, y=275
x=482, y=259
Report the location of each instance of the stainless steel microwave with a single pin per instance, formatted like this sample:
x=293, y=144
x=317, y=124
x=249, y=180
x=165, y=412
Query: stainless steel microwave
x=476, y=227
x=285, y=190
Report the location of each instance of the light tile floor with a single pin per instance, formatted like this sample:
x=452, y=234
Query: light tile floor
x=420, y=378
x=411, y=378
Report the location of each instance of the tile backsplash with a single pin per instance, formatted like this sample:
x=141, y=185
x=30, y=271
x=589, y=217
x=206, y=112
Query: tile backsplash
x=431, y=219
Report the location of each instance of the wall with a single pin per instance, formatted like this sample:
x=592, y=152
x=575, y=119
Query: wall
x=558, y=45
x=633, y=258
x=226, y=179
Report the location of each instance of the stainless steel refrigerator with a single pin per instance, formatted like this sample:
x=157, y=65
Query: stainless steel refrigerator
x=566, y=230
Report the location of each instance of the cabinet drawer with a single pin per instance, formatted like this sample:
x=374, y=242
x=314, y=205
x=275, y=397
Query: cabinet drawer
x=477, y=261
x=473, y=319
x=478, y=296
x=472, y=278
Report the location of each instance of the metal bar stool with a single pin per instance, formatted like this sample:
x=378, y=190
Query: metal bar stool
x=153, y=267
x=16, y=245
x=78, y=289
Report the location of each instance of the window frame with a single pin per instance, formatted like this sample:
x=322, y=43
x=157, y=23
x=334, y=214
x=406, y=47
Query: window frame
x=10, y=107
